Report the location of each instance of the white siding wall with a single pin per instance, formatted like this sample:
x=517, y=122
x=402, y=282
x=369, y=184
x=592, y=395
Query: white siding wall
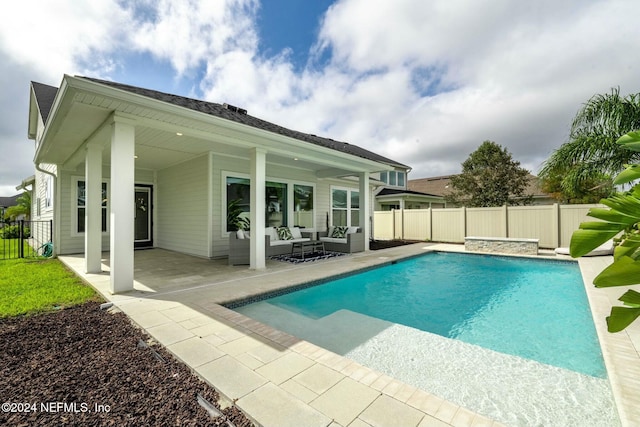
x=39, y=210
x=182, y=207
x=323, y=200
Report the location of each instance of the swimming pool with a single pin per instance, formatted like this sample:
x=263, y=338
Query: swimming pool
x=529, y=317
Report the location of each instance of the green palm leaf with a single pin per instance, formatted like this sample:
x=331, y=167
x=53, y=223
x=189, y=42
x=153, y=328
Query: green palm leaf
x=612, y=216
x=630, y=141
x=628, y=247
x=621, y=317
x=631, y=298
x=625, y=271
x=627, y=204
x=592, y=148
x=631, y=173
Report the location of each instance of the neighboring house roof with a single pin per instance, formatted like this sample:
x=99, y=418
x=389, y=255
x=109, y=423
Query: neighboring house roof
x=45, y=95
x=438, y=185
x=441, y=185
x=223, y=111
x=395, y=191
x=6, y=202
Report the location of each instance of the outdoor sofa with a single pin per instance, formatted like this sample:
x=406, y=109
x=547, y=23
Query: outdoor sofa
x=277, y=242
x=342, y=239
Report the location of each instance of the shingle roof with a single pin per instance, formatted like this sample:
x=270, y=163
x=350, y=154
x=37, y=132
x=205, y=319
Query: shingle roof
x=394, y=191
x=45, y=96
x=440, y=185
x=6, y=202
x=219, y=110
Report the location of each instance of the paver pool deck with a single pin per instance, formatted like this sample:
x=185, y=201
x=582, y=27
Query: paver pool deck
x=280, y=380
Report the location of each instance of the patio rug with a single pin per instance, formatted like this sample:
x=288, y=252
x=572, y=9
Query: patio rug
x=310, y=257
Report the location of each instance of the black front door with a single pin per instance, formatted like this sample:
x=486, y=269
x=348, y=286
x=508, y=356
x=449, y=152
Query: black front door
x=143, y=231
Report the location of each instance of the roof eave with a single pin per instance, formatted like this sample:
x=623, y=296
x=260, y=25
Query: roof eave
x=79, y=83
x=56, y=111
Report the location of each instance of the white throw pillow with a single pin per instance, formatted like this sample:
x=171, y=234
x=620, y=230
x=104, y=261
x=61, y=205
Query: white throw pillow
x=272, y=233
x=295, y=233
x=352, y=230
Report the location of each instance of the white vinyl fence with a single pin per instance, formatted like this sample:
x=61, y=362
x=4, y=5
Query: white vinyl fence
x=551, y=224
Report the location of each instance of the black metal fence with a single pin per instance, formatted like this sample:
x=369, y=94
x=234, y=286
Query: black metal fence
x=26, y=239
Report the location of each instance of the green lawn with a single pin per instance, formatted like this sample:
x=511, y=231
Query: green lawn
x=6, y=246
x=30, y=286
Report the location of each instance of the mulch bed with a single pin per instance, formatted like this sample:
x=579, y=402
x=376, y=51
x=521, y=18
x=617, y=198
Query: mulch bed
x=69, y=361
x=375, y=245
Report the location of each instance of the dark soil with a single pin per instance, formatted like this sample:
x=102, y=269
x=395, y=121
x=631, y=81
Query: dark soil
x=65, y=363
x=375, y=245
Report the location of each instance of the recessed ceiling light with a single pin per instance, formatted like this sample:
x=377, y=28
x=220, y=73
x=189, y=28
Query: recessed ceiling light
x=179, y=133
x=135, y=156
x=295, y=158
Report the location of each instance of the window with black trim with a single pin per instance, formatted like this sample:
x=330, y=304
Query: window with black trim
x=81, y=195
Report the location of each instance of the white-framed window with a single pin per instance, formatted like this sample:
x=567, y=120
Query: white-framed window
x=48, y=192
x=287, y=202
x=393, y=178
x=78, y=200
x=345, y=206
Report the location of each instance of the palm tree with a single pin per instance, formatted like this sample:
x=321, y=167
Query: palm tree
x=591, y=151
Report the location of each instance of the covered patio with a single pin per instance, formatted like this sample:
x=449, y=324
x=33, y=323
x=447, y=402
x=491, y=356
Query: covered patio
x=137, y=167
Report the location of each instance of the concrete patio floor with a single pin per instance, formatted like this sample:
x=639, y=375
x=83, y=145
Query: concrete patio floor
x=280, y=380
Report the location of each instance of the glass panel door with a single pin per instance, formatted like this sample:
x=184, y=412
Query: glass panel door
x=143, y=220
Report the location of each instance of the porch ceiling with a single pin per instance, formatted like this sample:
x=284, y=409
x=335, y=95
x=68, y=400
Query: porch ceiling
x=80, y=117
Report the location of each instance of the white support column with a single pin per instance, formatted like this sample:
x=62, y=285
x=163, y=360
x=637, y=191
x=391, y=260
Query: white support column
x=365, y=207
x=122, y=206
x=258, y=184
x=93, y=209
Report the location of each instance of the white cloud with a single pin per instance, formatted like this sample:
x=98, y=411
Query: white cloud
x=421, y=82
x=517, y=71
x=51, y=38
x=189, y=33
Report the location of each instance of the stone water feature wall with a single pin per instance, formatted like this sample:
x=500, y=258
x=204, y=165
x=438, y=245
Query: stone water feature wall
x=503, y=245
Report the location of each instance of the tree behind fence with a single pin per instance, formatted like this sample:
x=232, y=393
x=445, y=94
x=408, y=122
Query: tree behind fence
x=551, y=224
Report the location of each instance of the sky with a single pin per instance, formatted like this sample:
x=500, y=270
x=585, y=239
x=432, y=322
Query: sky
x=423, y=82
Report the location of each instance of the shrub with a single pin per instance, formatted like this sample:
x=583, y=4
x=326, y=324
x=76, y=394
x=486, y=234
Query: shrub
x=13, y=232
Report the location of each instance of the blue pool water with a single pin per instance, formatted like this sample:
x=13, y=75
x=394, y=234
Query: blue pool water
x=534, y=309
